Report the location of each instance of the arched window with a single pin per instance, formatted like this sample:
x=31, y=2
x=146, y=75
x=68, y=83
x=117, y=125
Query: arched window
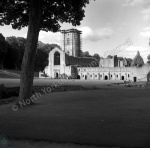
x=57, y=58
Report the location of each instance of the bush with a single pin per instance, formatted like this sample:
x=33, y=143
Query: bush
x=9, y=92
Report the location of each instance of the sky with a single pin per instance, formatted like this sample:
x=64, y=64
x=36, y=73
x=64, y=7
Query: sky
x=107, y=25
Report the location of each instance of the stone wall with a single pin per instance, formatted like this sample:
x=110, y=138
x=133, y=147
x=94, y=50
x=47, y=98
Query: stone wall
x=114, y=73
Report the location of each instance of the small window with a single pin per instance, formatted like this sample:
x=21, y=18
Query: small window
x=95, y=75
x=111, y=75
x=91, y=75
x=128, y=75
x=68, y=42
x=83, y=76
x=117, y=76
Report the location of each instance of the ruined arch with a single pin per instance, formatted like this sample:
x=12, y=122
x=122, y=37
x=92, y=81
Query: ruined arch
x=78, y=76
x=106, y=77
x=85, y=77
x=56, y=58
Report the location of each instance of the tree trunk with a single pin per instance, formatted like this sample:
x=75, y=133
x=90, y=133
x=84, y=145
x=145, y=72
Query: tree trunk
x=27, y=74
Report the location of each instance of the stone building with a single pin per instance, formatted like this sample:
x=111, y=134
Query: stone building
x=71, y=42
x=66, y=62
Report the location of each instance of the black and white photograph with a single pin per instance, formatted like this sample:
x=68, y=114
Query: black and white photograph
x=74, y=74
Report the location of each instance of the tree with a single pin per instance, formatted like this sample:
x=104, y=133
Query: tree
x=21, y=46
x=148, y=57
x=38, y=15
x=110, y=56
x=85, y=54
x=14, y=50
x=11, y=58
x=41, y=60
x=138, y=60
x=96, y=56
x=47, y=47
x=3, y=50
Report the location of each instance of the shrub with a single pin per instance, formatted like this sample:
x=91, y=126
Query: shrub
x=9, y=92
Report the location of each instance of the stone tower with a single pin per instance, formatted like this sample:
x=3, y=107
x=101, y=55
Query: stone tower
x=71, y=42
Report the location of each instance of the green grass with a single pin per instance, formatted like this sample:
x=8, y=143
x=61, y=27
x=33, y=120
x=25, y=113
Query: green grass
x=36, y=74
x=3, y=75
x=14, y=74
x=10, y=94
x=105, y=117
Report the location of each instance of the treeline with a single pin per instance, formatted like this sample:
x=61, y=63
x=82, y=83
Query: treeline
x=87, y=54
x=12, y=50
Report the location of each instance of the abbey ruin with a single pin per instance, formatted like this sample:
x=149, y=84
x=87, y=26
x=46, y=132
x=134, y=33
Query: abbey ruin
x=67, y=63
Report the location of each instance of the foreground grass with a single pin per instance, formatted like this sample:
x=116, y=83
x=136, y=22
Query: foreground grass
x=42, y=144
x=11, y=94
x=102, y=117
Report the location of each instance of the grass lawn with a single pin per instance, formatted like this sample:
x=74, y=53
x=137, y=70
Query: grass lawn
x=8, y=76
x=13, y=74
x=105, y=117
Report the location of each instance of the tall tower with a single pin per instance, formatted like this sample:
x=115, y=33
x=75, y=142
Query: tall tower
x=71, y=42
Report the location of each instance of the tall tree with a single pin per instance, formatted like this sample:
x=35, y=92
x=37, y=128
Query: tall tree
x=3, y=50
x=41, y=60
x=148, y=57
x=11, y=58
x=13, y=50
x=38, y=15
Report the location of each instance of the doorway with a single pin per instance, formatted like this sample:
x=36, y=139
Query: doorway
x=106, y=77
x=134, y=79
x=78, y=77
x=85, y=77
x=122, y=77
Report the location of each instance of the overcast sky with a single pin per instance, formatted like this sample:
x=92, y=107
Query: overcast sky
x=107, y=25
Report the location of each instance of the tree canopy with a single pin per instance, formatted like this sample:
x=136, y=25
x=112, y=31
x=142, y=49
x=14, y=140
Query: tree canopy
x=3, y=50
x=46, y=15
x=12, y=51
x=138, y=60
x=54, y=12
x=148, y=58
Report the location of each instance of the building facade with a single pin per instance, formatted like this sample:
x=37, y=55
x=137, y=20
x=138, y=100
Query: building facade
x=67, y=63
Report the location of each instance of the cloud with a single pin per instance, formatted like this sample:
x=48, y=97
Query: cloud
x=146, y=14
x=136, y=48
x=146, y=28
x=145, y=4
x=50, y=37
x=132, y=51
x=95, y=35
x=135, y=2
x=146, y=32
